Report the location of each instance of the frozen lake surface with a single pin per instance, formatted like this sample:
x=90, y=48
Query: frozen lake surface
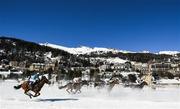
x=51, y=97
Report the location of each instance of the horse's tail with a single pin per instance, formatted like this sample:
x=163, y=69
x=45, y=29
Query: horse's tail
x=17, y=87
x=61, y=87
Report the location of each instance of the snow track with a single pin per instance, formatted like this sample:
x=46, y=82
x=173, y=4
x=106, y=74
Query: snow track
x=120, y=98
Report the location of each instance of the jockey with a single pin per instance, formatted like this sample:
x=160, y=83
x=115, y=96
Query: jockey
x=33, y=79
x=77, y=80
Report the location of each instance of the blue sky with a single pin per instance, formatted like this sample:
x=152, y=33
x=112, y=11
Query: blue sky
x=134, y=25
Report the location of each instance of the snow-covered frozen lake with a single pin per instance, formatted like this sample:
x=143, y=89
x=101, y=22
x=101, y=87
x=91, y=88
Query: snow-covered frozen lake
x=120, y=98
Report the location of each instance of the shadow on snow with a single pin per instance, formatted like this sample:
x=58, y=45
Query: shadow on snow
x=57, y=99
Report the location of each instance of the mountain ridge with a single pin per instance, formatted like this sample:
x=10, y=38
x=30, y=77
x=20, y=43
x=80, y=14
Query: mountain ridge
x=87, y=50
x=20, y=50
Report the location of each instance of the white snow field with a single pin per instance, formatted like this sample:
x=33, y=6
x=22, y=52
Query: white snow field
x=166, y=97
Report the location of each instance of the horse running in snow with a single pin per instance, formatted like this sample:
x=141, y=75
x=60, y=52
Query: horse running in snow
x=110, y=84
x=36, y=89
x=74, y=86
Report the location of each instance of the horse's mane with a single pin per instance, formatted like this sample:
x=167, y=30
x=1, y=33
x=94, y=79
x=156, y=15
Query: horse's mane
x=41, y=82
x=43, y=77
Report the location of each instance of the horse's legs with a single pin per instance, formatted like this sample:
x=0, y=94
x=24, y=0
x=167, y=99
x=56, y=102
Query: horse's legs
x=110, y=87
x=28, y=94
x=75, y=91
x=71, y=90
x=36, y=94
x=68, y=90
x=79, y=90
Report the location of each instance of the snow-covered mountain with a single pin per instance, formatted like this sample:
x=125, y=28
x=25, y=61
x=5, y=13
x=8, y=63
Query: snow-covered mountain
x=169, y=52
x=100, y=50
x=84, y=49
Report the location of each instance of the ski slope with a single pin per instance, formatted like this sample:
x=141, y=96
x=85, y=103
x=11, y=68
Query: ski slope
x=120, y=98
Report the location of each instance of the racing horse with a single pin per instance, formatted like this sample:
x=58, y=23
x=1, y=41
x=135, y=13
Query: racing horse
x=109, y=84
x=36, y=89
x=74, y=86
x=99, y=84
x=140, y=85
x=112, y=83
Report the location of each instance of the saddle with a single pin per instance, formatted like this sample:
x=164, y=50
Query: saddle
x=31, y=86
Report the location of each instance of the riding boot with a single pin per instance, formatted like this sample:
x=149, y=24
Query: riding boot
x=31, y=86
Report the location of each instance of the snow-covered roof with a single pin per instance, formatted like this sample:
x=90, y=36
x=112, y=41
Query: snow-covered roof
x=9, y=72
x=5, y=72
x=127, y=73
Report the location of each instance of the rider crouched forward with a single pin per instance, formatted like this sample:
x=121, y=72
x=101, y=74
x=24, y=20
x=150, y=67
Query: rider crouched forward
x=33, y=79
x=76, y=80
